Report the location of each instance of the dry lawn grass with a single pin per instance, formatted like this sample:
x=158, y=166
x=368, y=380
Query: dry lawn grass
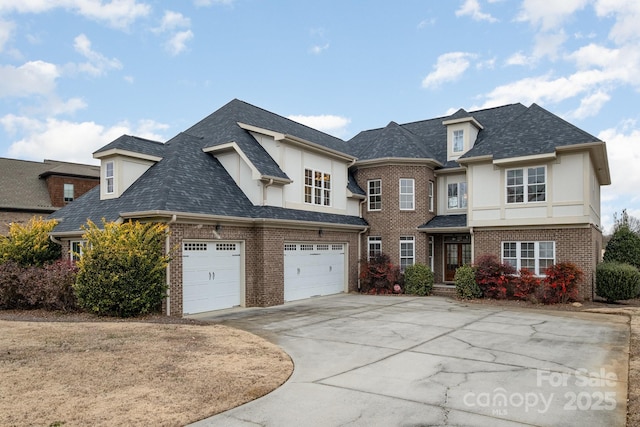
x=128, y=373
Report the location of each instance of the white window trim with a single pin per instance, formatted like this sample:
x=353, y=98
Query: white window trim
x=371, y=241
x=537, y=270
x=80, y=244
x=525, y=185
x=431, y=191
x=369, y=195
x=109, y=179
x=64, y=192
x=459, y=196
x=413, y=194
x=404, y=240
x=453, y=141
x=313, y=187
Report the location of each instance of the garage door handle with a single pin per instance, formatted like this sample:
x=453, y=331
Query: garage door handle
x=212, y=275
x=330, y=268
x=298, y=271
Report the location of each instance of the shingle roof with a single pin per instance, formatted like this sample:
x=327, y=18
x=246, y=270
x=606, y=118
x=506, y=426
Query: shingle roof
x=445, y=221
x=188, y=180
x=136, y=145
x=536, y=131
x=393, y=141
x=22, y=188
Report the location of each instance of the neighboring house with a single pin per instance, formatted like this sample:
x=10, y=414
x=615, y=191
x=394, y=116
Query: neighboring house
x=263, y=210
x=29, y=189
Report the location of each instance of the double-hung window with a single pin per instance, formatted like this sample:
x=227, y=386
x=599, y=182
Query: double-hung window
x=375, y=195
x=109, y=176
x=407, y=251
x=407, y=194
x=534, y=256
x=76, y=249
x=457, y=195
x=526, y=185
x=374, y=244
x=458, y=141
x=317, y=187
x=68, y=193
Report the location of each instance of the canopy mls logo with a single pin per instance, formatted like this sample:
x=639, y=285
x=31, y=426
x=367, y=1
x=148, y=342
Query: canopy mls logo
x=589, y=395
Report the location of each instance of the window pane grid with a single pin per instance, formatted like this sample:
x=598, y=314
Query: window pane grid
x=406, y=194
x=317, y=187
x=375, y=195
x=534, y=190
x=533, y=256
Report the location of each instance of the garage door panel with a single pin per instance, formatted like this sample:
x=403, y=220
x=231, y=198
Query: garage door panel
x=211, y=276
x=313, y=269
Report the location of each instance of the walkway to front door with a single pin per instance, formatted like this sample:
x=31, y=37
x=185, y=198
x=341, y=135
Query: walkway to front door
x=456, y=255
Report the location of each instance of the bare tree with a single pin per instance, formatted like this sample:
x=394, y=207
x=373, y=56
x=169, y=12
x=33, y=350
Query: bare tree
x=626, y=220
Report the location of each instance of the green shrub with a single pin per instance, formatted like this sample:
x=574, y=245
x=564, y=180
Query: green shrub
x=493, y=277
x=466, y=285
x=418, y=280
x=29, y=244
x=561, y=283
x=624, y=247
x=49, y=287
x=122, y=269
x=617, y=281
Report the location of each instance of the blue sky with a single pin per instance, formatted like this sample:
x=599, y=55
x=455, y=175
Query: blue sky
x=76, y=74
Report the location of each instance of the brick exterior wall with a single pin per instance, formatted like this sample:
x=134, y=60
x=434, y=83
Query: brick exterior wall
x=390, y=223
x=7, y=217
x=582, y=246
x=263, y=258
x=55, y=185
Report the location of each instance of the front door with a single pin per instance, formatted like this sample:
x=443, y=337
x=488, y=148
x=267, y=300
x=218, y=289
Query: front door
x=455, y=255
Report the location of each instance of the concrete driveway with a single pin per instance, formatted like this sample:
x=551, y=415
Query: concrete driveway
x=391, y=361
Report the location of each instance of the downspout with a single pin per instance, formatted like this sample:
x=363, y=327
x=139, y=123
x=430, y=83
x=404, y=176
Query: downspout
x=168, y=272
x=364, y=230
x=264, y=191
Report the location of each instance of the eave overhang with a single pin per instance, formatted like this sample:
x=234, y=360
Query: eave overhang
x=120, y=152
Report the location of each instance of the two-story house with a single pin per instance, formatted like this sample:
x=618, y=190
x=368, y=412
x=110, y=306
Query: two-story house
x=263, y=210
x=29, y=188
x=519, y=183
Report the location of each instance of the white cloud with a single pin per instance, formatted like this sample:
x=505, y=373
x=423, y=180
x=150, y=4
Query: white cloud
x=98, y=64
x=591, y=105
x=331, y=124
x=69, y=141
x=31, y=78
x=178, y=42
x=116, y=13
x=623, y=149
x=426, y=23
x=449, y=67
x=6, y=31
x=472, y=9
x=518, y=58
x=172, y=21
x=549, y=15
x=317, y=50
x=627, y=15
x=548, y=45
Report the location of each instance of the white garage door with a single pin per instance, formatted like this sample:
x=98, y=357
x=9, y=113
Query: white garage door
x=210, y=276
x=312, y=269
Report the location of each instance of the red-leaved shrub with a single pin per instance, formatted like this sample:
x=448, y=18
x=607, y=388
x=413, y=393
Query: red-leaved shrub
x=378, y=275
x=493, y=277
x=49, y=287
x=561, y=283
x=526, y=285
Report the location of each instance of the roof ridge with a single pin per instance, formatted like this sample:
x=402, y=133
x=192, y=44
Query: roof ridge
x=288, y=119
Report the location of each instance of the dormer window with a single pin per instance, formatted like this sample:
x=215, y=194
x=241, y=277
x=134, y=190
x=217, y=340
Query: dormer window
x=109, y=177
x=458, y=141
x=317, y=187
